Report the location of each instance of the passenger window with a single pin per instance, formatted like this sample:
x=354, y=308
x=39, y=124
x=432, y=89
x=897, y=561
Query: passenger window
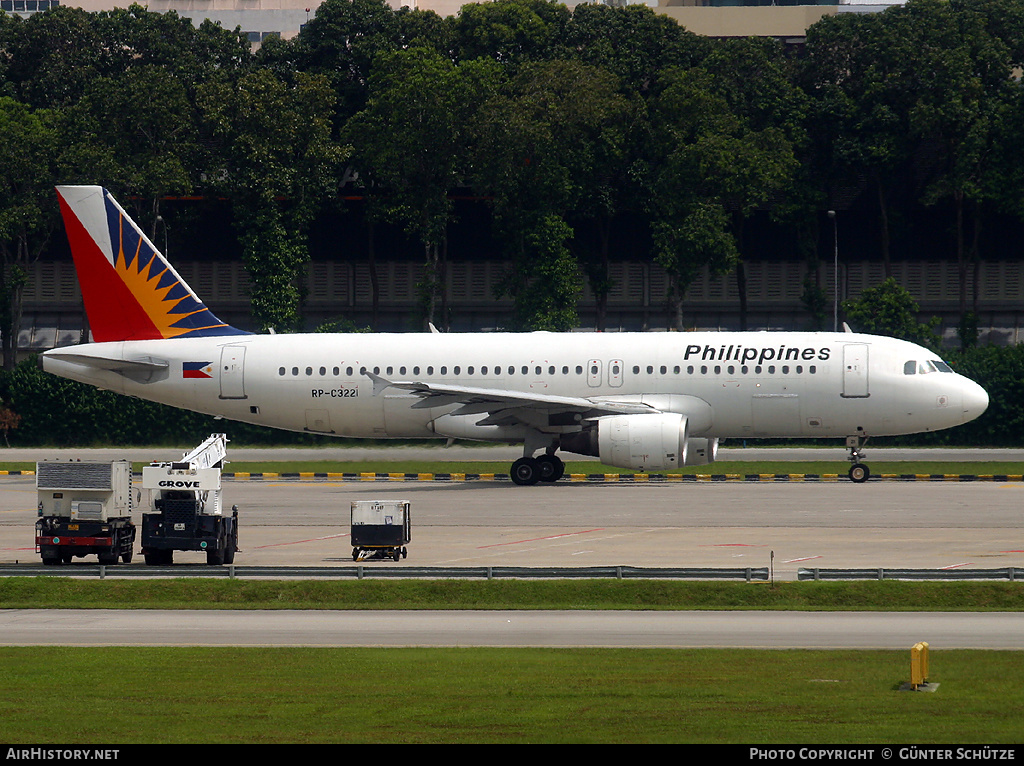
x=280, y=370
x=636, y=370
x=309, y=370
x=323, y=372
x=348, y=371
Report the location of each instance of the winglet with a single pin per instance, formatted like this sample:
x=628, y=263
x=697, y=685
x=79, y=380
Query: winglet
x=131, y=292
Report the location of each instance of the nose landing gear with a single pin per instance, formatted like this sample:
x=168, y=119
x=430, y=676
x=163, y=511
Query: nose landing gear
x=859, y=472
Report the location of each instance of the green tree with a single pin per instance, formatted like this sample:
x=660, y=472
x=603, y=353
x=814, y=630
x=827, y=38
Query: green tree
x=27, y=207
x=410, y=141
x=510, y=31
x=890, y=310
x=279, y=164
x=341, y=43
x=538, y=146
x=699, y=150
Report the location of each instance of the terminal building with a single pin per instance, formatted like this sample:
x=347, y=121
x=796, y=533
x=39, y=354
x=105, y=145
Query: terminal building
x=783, y=19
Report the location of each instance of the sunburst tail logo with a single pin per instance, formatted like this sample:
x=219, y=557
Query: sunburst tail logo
x=131, y=292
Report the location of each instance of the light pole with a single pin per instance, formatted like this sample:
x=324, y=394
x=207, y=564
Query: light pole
x=835, y=271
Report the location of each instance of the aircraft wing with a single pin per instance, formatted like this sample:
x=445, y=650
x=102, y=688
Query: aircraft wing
x=501, y=406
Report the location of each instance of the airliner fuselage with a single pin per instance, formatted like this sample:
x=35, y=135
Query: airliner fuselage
x=731, y=385
x=649, y=401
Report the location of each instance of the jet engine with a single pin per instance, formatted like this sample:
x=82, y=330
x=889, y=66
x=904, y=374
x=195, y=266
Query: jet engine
x=654, y=442
x=701, y=451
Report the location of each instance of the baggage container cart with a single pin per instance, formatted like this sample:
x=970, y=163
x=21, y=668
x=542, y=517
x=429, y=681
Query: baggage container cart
x=380, y=529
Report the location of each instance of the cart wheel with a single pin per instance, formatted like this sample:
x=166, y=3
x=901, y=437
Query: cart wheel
x=405, y=553
x=397, y=554
x=355, y=554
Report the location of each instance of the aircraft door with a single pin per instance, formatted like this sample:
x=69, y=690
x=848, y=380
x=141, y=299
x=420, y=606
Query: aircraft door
x=594, y=373
x=855, y=371
x=615, y=373
x=232, y=372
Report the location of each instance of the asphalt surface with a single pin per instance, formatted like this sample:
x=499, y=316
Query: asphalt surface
x=785, y=526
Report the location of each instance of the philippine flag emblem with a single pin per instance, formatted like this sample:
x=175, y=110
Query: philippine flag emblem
x=196, y=370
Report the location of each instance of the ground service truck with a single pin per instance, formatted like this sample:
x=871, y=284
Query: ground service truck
x=186, y=510
x=84, y=508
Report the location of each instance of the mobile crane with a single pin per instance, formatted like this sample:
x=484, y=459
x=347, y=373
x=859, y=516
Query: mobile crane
x=186, y=510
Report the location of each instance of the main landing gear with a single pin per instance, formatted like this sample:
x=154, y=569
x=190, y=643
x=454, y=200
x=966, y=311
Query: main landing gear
x=530, y=470
x=859, y=472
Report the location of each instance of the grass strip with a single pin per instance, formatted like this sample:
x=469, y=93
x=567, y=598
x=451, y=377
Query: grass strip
x=153, y=695
x=203, y=593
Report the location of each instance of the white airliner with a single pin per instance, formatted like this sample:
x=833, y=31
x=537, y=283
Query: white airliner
x=645, y=401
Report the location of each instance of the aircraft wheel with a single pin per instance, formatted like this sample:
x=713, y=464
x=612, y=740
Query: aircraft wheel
x=859, y=473
x=525, y=471
x=551, y=467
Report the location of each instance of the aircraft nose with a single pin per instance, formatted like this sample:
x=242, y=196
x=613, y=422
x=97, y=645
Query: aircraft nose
x=975, y=400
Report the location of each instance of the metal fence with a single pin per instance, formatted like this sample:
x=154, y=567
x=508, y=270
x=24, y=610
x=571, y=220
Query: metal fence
x=364, y=571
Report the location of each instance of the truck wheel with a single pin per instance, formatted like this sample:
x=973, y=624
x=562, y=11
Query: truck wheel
x=126, y=557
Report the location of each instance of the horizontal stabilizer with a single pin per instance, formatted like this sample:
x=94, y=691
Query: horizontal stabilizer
x=104, y=363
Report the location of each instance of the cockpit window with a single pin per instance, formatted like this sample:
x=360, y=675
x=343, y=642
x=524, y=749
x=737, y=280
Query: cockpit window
x=923, y=368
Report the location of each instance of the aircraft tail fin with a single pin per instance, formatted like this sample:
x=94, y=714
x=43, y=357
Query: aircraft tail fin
x=131, y=292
